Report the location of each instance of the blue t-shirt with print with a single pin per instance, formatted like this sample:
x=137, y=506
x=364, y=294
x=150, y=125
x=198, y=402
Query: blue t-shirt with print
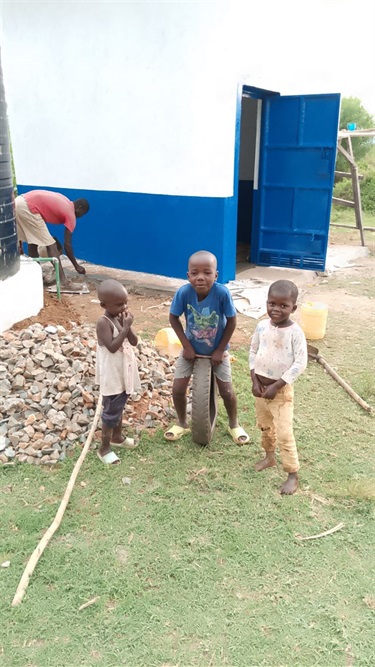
x=205, y=320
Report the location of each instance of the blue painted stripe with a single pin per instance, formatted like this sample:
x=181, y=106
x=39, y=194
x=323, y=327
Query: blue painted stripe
x=152, y=233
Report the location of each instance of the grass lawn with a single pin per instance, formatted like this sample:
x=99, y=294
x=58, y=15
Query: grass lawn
x=197, y=561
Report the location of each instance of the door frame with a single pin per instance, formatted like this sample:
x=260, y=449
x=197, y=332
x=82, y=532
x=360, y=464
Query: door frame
x=253, y=92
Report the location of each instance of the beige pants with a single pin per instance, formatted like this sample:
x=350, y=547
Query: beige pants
x=31, y=226
x=275, y=420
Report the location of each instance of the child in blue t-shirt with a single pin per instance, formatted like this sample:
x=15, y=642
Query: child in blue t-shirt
x=210, y=322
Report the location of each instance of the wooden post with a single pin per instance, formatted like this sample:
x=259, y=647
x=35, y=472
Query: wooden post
x=349, y=156
x=356, y=192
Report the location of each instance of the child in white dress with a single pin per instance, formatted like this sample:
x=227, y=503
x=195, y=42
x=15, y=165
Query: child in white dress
x=116, y=366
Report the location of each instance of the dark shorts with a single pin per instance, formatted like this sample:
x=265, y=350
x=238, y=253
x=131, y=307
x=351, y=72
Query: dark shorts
x=113, y=407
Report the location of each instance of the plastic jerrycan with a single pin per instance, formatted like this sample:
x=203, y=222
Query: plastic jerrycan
x=313, y=319
x=166, y=342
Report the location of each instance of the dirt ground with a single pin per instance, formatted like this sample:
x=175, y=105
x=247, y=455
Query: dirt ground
x=151, y=308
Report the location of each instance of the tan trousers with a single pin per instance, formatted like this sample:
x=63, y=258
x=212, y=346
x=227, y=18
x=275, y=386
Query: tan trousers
x=275, y=420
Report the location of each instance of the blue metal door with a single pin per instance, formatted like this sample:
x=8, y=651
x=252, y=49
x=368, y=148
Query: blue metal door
x=296, y=174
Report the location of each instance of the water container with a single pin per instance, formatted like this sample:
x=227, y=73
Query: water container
x=313, y=319
x=166, y=342
x=9, y=255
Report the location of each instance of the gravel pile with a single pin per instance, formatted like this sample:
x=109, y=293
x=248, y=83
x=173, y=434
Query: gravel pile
x=48, y=396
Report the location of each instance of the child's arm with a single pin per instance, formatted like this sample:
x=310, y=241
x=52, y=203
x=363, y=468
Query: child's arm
x=104, y=333
x=271, y=390
x=299, y=364
x=188, y=350
x=217, y=355
x=257, y=387
x=132, y=337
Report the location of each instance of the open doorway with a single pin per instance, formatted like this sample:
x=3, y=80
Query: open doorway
x=248, y=175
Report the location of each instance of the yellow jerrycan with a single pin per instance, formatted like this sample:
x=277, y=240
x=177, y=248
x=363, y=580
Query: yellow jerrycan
x=313, y=319
x=167, y=343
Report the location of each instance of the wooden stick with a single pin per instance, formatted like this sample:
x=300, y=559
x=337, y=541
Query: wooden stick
x=326, y=532
x=30, y=567
x=89, y=603
x=343, y=384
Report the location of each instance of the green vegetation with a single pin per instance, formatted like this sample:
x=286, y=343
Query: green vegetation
x=198, y=561
x=343, y=188
x=352, y=111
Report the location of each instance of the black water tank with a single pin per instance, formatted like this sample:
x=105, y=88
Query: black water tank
x=9, y=255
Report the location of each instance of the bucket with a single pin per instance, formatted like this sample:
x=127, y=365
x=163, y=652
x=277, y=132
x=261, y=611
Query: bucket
x=314, y=319
x=166, y=342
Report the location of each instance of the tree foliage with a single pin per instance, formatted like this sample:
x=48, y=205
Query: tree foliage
x=352, y=111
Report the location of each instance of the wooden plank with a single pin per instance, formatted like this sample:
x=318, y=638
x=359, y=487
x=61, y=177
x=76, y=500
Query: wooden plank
x=365, y=229
x=345, y=153
x=336, y=224
x=349, y=139
x=357, y=201
x=343, y=134
x=347, y=174
x=343, y=202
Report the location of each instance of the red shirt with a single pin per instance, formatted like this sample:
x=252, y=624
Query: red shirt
x=52, y=206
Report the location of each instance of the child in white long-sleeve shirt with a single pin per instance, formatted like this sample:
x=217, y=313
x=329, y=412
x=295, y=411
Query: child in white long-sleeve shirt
x=278, y=355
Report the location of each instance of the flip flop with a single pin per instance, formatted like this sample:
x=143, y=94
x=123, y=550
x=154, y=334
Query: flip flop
x=128, y=443
x=177, y=432
x=238, y=432
x=109, y=458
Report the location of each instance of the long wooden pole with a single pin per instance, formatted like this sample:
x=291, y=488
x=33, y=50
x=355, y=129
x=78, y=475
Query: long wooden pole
x=343, y=384
x=30, y=567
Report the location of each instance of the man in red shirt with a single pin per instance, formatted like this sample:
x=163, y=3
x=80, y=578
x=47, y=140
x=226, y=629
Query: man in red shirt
x=34, y=209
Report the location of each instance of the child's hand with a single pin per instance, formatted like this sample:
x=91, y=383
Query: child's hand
x=127, y=321
x=258, y=390
x=270, y=391
x=217, y=357
x=188, y=352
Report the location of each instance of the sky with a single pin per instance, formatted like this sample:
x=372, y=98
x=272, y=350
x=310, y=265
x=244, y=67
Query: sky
x=309, y=46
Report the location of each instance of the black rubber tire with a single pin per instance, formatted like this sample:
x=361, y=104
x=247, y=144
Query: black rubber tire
x=204, y=402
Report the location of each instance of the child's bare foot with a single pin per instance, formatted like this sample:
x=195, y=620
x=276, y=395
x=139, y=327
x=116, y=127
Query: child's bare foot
x=268, y=461
x=290, y=485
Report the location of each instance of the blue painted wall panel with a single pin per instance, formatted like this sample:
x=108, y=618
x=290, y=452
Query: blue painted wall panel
x=152, y=233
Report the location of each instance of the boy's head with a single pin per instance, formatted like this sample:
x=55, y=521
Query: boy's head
x=113, y=297
x=202, y=271
x=281, y=300
x=81, y=207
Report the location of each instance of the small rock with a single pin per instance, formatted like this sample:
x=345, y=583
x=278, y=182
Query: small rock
x=30, y=420
x=9, y=452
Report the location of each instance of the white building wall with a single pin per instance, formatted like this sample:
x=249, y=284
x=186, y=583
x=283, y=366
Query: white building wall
x=137, y=97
